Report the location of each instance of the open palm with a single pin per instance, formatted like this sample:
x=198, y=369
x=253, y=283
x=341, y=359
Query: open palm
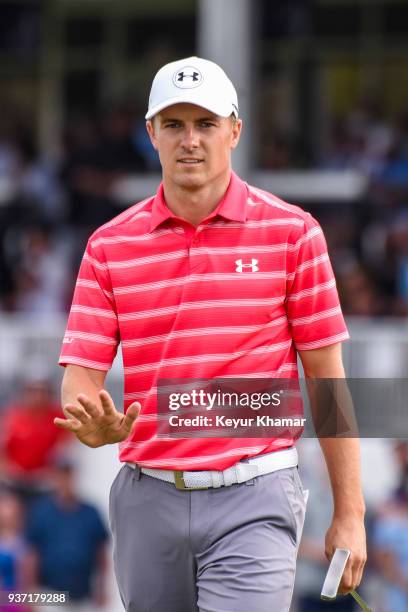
x=96, y=425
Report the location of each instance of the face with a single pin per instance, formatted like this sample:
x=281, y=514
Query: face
x=64, y=482
x=194, y=145
x=10, y=512
x=37, y=394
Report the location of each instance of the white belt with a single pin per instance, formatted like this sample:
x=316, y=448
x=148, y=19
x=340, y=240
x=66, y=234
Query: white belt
x=240, y=472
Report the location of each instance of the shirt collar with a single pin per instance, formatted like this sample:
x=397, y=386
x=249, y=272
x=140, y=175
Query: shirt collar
x=232, y=206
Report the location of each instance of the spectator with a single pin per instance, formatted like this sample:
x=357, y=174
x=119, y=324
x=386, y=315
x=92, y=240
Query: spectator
x=68, y=544
x=96, y=156
x=13, y=549
x=358, y=293
x=390, y=540
x=369, y=136
x=397, y=244
x=41, y=274
x=29, y=439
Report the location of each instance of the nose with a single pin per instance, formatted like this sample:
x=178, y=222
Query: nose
x=190, y=139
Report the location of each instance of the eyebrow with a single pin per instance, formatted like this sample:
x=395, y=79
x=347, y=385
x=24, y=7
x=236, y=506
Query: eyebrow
x=170, y=120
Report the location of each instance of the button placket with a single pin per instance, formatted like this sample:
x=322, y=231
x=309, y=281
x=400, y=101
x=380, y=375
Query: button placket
x=196, y=236
x=195, y=243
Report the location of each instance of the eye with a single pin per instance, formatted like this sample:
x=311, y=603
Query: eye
x=207, y=124
x=172, y=124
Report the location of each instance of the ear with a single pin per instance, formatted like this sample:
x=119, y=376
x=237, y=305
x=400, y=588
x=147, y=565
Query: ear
x=236, y=133
x=152, y=135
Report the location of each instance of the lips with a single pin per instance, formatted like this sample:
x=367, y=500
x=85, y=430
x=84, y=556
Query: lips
x=190, y=161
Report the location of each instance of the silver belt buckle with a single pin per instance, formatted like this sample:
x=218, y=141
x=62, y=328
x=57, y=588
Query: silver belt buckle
x=181, y=485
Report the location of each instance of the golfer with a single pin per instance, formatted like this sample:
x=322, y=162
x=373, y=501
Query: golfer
x=208, y=278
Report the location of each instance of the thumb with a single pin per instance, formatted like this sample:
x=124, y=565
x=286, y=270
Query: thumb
x=131, y=415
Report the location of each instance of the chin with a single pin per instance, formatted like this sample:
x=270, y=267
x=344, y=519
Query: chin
x=190, y=181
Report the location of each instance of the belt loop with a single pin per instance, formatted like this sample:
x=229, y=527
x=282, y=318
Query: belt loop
x=217, y=479
x=136, y=473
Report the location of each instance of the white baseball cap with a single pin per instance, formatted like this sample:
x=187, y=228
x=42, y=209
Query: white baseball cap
x=196, y=81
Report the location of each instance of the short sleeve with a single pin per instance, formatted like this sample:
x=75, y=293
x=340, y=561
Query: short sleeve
x=312, y=302
x=92, y=335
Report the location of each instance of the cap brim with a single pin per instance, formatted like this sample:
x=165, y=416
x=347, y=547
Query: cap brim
x=224, y=111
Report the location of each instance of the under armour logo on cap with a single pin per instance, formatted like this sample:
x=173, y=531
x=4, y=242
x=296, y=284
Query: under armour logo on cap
x=187, y=77
x=181, y=76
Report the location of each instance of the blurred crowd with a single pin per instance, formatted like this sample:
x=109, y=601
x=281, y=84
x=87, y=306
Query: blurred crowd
x=51, y=540
x=367, y=238
x=49, y=206
x=372, y=266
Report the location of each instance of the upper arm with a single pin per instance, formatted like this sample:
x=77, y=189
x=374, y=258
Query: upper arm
x=312, y=302
x=324, y=362
x=92, y=335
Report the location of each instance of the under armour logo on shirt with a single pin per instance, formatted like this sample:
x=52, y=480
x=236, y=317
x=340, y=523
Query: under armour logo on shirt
x=253, y=266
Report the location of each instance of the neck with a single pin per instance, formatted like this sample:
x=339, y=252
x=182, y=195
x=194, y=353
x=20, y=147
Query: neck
x=195, y=204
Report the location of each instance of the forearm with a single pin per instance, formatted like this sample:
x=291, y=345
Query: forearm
x=342, y=457
x=328, y=391
x=81, y=380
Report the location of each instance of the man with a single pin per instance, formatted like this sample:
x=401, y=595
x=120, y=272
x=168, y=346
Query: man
x=209, y=278
x=29, y=442
x=13, y=549
x=68, y=544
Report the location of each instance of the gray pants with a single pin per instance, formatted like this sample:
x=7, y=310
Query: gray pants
x=231, y=549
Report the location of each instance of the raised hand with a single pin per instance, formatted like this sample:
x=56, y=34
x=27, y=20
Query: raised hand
x=96, y=425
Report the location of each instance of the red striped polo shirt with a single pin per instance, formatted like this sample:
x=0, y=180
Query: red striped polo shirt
x=234, y=297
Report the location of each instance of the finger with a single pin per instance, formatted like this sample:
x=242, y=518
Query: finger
x=329, y=552
x=89, y=406
x=360, y=573
x=107, y=403
x=69, y=425
x=78, y=413
x=348, y=580
x=345, y=583
x=67, y=414
x=357, y=571
x=131, y=415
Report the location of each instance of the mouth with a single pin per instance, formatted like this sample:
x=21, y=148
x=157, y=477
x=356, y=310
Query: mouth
x=190, y=161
